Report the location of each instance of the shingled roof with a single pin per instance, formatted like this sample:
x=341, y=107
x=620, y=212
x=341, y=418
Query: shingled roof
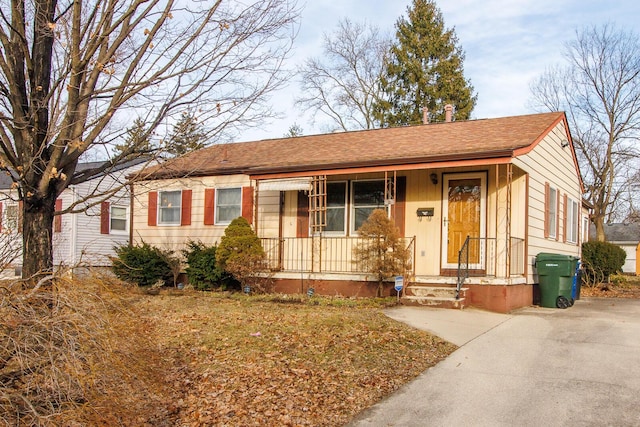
x=618, y=232
x=6, y=182
x=461, y=140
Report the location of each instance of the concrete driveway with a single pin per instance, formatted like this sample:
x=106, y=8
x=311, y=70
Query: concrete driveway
x=534, y=367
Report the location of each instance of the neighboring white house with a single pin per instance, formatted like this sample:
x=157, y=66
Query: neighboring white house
x=83, y=239
x=627, y=236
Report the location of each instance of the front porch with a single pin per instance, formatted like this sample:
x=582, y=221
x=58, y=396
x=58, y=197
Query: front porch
x=325, y=265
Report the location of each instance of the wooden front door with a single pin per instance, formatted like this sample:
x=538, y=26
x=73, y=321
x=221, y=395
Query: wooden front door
x=464, y=214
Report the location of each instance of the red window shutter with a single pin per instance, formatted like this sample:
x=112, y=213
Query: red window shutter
x=185, y=217
x=209, y=206
x=57, y=220
x=302, y=217
x=0, y=216
x=557, y=214
x=547, y=202
x=564, y=219
x=152, y=212
x=398, y=210
x=247, y=204
x=105, y=217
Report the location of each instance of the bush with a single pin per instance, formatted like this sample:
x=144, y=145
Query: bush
x=202, y=270
x=144, y=265
x=240, y=253
x=601, y=259
x=381, y=251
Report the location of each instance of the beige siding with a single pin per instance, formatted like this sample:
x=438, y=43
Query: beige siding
x=268, y=213
x=422, y=193
x=290, y=214
x=175, y=237
x=549, y=162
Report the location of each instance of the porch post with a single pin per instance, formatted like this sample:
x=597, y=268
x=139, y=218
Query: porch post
x=508, y=214
x=503, y=215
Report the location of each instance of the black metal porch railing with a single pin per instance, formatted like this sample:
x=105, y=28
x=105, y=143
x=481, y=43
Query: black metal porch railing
x=320, y=254
x=463, y=266
x=490, y=257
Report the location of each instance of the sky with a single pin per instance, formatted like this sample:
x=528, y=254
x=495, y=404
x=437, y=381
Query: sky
x=507, y=44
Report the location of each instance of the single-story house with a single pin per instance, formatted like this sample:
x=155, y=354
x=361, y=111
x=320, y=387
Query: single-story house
x=85, y=238
x=476, y=198
x=627, y=236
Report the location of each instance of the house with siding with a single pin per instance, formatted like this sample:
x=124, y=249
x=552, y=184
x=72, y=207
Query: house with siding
x=85, y=238
x=627, y=236
x=475, y=200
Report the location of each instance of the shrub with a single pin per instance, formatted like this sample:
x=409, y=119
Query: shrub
x=202, y=270
x=382, y=251
x=240, y=253
x=144, y=265
x=601, y=259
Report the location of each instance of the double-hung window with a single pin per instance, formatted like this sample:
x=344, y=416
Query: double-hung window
x=228, y=205
x=366, y=197
x=169, y=207
x=552, y=213
x=572, y=221
x=11, y=218
x=336, y=207
x=118, y=219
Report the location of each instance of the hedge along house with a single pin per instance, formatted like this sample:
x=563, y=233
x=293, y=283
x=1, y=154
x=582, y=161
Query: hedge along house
x=474, y=200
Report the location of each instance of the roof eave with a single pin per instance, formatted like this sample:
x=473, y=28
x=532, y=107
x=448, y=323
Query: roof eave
x=385, y=162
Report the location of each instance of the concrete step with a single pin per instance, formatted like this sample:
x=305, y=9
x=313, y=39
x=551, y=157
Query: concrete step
x=434, y=291
x=437, y=302
x=434, y=296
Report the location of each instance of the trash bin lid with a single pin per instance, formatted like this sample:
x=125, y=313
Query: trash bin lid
x=545, y=256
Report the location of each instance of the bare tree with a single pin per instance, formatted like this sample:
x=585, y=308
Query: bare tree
x=344, y=85
x=600, y=91
x=73, y=73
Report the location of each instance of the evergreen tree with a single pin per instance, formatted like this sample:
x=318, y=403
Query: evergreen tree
x=137, y=141
x=294, y=130
x=424, y=69
x=186, y=136
x=381, y=250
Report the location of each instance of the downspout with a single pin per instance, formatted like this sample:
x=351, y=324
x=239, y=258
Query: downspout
x=256, y=198
x=131, y=199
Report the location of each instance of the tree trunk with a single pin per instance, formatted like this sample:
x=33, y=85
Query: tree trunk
x=598, y=221
x=37, y=227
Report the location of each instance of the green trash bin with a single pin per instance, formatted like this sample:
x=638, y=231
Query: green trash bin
x=555, y=276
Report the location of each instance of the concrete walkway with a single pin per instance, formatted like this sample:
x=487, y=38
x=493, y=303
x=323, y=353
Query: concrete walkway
x=534, y=367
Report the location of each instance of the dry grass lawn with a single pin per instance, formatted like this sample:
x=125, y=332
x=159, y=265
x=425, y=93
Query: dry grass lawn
x=242, y=361
x=620, y=286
